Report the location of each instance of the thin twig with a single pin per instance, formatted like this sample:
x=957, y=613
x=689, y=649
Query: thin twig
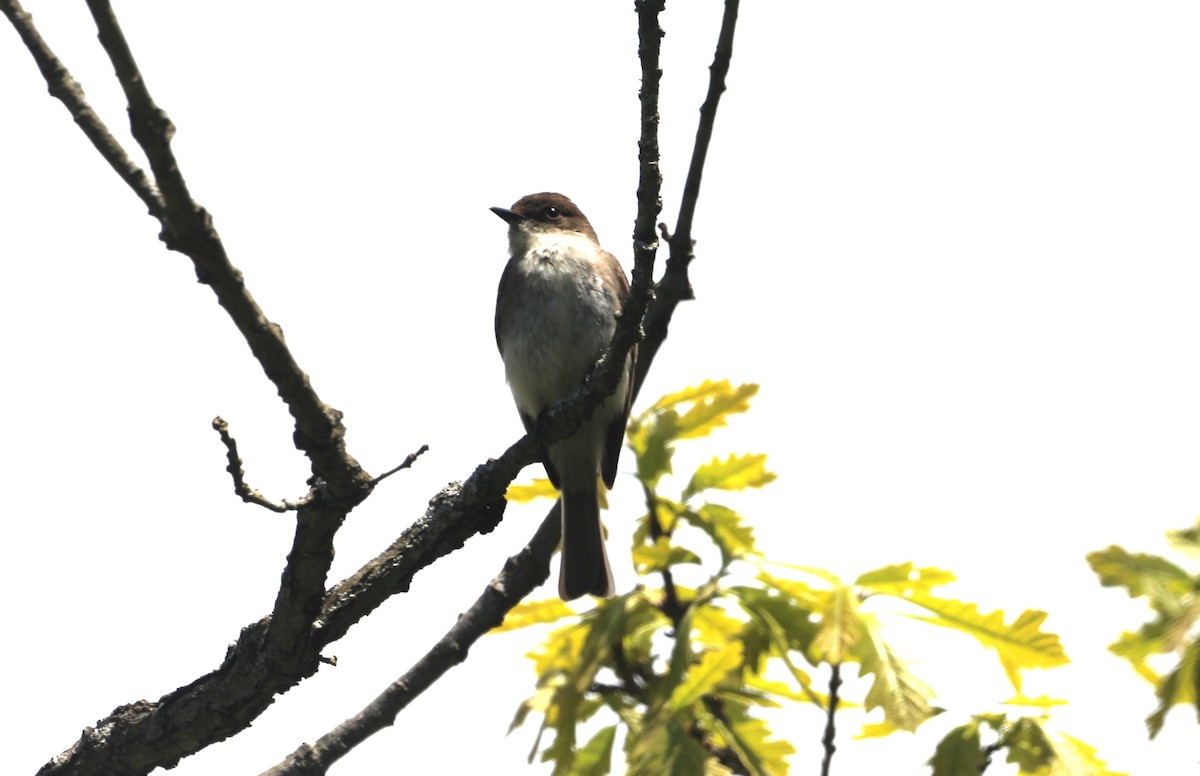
x=835, y=683
x=408, y=461
x=708, y=117
x=988, y=751
x=67, y=90
x=244, y=491
x=670, y=605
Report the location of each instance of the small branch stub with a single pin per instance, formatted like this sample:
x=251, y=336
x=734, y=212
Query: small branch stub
x=408, y=461
x=244, y=491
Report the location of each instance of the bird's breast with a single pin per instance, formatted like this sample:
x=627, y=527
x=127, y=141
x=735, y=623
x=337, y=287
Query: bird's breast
x=557, y=322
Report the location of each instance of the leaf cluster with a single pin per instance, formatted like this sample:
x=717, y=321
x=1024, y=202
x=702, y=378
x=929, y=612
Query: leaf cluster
x=687, y=670
x=1028, y=743
x=1173, y=632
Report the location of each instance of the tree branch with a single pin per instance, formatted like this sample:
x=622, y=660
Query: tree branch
x=675, y=285
x=521, y=574
x=339, y=482
x=283, y=648
x=244, y=491
x=189, y=229
x=670, y=605
x=408, y=461
x=68, y=91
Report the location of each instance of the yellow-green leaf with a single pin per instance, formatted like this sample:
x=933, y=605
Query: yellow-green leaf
x=595, y=758
x=1186, y=540
x=732, y=535
x=702, y=677
x=1140, y=574
x=840, y=626
x=804, y=594
x=539, y=702
x=959, y=753
x=737, y=472
x=650, y=439
x=692, y=393
x=539, y=488
x=714, y=627
x=533, y=613
x=1179, y=686
x=903, y=578
x=903, y=697
x=652, y=558
x=558, y=652
x=1138, y=647
x=668, y=749
x=783, y=689
x=710, y=411
x=877, y=730
x=711, y=402
x=1075, y=758
x=752, y=740
x=1029, y=747
x=1021, y=645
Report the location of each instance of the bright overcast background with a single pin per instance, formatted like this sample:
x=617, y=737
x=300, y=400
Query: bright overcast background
x=956, y=244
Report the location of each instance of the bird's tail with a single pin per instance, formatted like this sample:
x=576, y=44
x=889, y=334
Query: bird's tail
x=584, y=563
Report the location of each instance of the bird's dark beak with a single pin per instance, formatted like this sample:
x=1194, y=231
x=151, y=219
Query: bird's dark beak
x=513, y=218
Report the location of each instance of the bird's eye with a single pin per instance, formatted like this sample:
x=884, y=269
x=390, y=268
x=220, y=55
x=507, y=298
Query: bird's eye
x=552, y=213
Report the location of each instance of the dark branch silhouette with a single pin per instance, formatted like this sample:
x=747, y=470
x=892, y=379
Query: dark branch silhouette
x=283, y=648
x=243, y=490
x=67, y=90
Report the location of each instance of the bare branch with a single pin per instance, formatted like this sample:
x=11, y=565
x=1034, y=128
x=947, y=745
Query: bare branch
x=141, y=736
x=337, y=478
x=708, y=117
x=671, y=606
x=280, y=650
x=649, y=190
x=675, y=286
x=67, y=90
x=244, y=491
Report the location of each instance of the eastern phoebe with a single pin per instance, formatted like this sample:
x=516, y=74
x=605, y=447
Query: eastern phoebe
x=556, y=311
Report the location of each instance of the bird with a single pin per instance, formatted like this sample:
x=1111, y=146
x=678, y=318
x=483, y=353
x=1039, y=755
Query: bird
x=556, y=309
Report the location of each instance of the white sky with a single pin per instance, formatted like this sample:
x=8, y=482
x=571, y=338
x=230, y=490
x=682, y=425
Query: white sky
x=956, y=244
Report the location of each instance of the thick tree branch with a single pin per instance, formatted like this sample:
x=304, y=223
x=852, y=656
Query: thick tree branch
x=649, y=190
x=521, y=574
x=136, y=738
x=189, y=229
x=675, y=286
x=280, y=650
x=338, y=481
